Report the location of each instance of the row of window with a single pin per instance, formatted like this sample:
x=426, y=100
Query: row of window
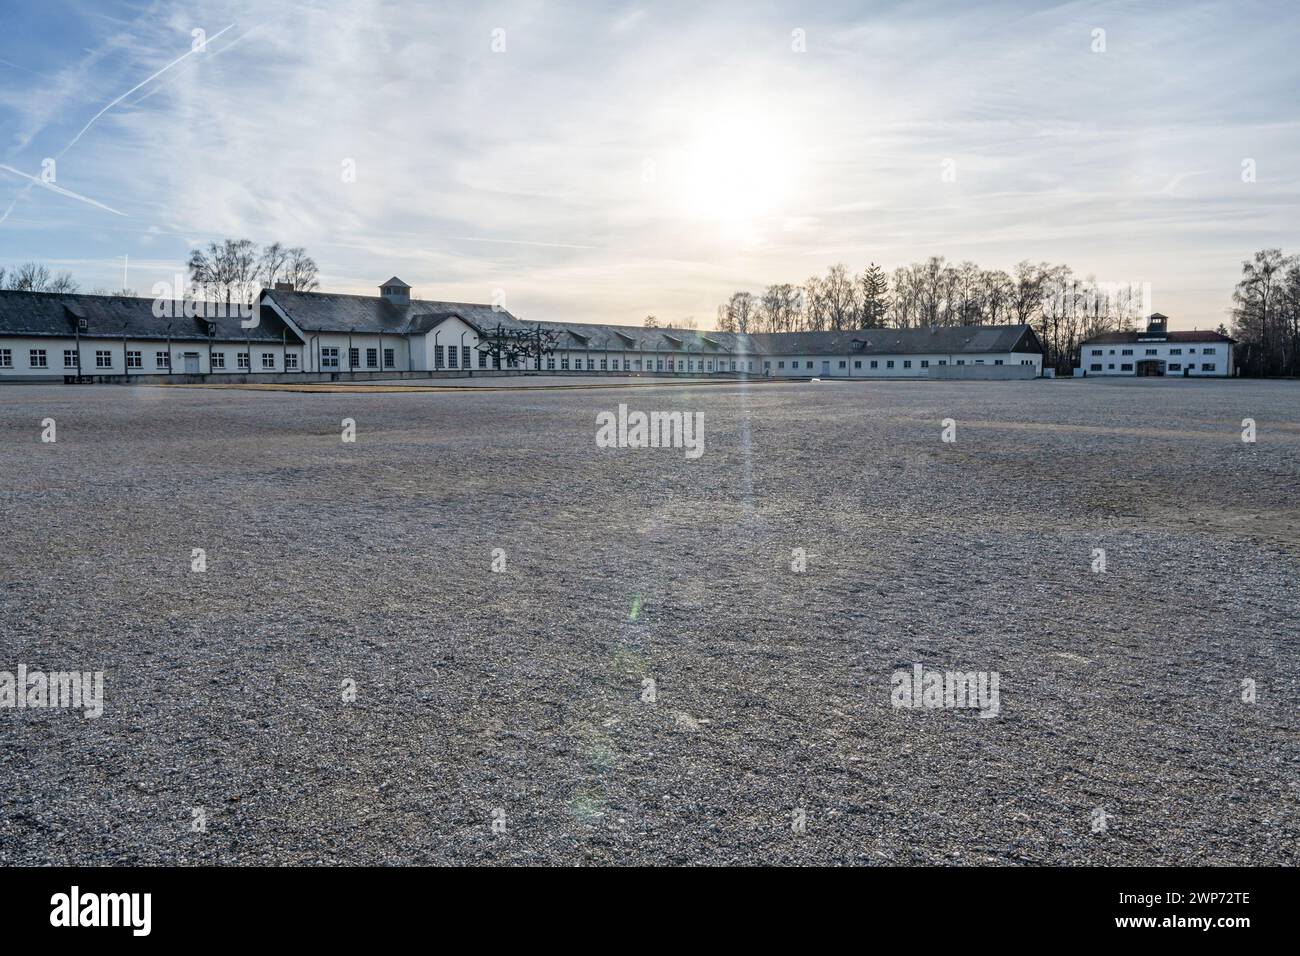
x=329, y=358
x=39, y=358
x=1172, y=367
x=450, y=356
x=651, y=365
x=1207, y=350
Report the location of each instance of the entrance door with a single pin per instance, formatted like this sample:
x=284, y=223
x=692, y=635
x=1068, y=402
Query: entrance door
x=826, y=368
x=1151, y=367
x=191, y=363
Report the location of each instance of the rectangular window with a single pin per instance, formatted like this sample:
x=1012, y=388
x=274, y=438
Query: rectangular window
x=780, y=364
x=550, y=363
x=6, y=358
x=943, y=361
x=1151, y=351
x=69, y=358
x=268, y=360
x=907, y=363
x=889, y=364
x=925, y=363
x=1208, y=351
x=604, y=364
x=1096, y=351
x=438, y=356
x=564, y=363
x=390, y=359
x=134, y=360
x=1110, y=367
x=464, y=356
x=162, y=360
x=591, y=365
x=767, y=364
x=219, y=359
x=1191, y=351
x=961, y=361
x=36, y=358
x=290, y=362
x=1126, y=367
x=1175, y=351
x=1126, y=352
x=979, y=361
x=103, y=359
x=372, y=358
x=329, y=358
x=1175, y=367
x=482, y=360
x=857, y=363
x=1207, y=366
x=997, y=361
x=659, y=365
x=843, y=364
x=1191, y=367
x=875, y=363
x=242, y=359
x=1094, y=367
x=679, y=365
x=452, y=357
x=354, y=358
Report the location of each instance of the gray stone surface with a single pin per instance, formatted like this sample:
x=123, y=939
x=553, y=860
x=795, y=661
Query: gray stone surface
x=522, y=690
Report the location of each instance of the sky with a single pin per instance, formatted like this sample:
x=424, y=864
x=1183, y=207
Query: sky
x=604, y=161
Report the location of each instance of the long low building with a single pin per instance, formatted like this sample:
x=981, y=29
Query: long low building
x=47, y=335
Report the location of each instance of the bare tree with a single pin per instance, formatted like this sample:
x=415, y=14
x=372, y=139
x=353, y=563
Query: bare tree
x=841, y=298
x=743, y=311
x=814, y=317
x=273, y=263
x=301, y=270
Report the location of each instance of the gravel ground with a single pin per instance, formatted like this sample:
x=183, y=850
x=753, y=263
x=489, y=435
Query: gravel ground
x=520, y=692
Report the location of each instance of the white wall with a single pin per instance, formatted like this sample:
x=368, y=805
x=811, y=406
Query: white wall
x=1185, y=354
x=884, y=366
x=323, y=347
x=428, y=349
x=113, y=361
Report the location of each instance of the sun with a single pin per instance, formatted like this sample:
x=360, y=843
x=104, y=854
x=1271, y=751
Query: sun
x=738, y=170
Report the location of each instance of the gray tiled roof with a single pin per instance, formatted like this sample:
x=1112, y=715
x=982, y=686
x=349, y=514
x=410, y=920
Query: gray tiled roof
x=328, y=312
x=58, y=314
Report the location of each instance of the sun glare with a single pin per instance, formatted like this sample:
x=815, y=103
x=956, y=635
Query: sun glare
x=737, y=171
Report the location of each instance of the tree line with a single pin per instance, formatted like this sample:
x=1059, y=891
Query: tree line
x=1266, y=314
x=232, y=271
x=1063, y=309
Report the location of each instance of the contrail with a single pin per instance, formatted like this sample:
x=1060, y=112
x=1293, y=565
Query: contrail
x=183, y=56
x=53, y=188
x=26, y=189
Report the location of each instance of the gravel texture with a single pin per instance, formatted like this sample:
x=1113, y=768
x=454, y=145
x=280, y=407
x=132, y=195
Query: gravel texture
x=521, y=691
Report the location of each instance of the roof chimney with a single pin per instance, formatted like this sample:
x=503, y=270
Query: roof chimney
x=284, y=287
x=396, y=291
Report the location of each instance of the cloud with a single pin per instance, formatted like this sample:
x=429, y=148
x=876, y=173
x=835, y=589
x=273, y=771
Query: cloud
x=613, y=162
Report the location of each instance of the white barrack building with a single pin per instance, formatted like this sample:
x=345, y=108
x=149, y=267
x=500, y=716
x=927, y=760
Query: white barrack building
x=55, y=335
